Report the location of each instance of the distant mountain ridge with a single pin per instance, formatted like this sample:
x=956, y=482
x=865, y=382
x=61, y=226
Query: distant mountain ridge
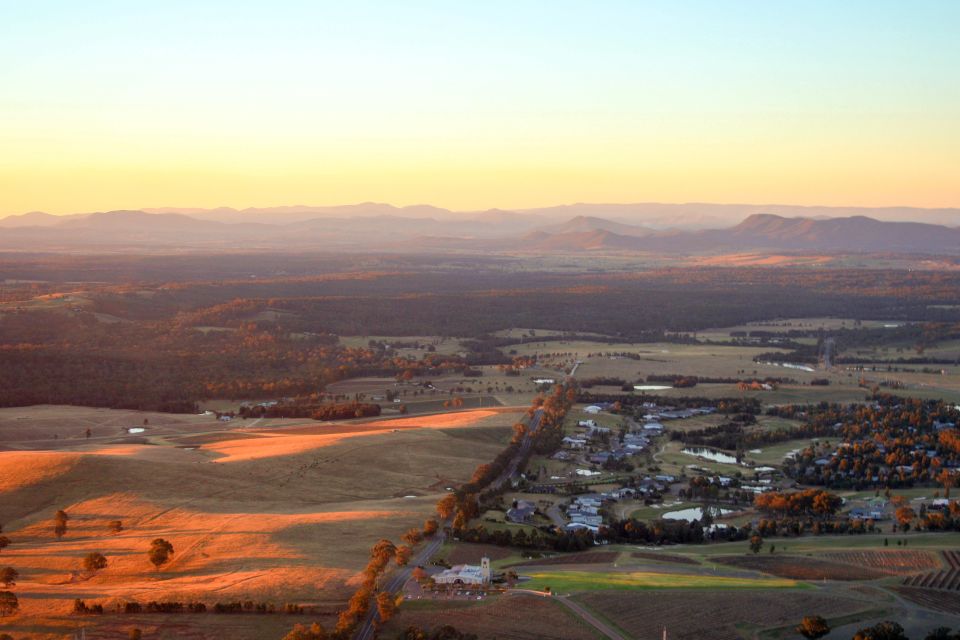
x=654, y=215
x=853, y=233
x=374, y=226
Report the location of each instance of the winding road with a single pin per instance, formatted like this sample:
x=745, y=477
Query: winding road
x=400, y=577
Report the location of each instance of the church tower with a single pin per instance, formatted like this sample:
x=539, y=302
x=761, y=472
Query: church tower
x=485, y=569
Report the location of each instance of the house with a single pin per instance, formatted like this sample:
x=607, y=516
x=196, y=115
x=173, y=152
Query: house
x=521, y=511
x=866, y=514
x=677, y=415
x=653, y=428
x=574, y=443
x=591, y=521
x=582, y=510
x=592, y=409
x=600, y=458
x=465, y=574
x=634, y=443
x=588, y=500
x=580, y=526
x=588, y=424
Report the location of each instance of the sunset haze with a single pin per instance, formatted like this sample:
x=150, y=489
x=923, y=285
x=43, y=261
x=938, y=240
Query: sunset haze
x=112, y=105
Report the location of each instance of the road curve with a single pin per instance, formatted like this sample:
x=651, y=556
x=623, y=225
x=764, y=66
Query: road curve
x=400, y=577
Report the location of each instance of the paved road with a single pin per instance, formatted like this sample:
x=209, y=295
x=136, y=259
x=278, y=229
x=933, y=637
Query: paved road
x=576, y=365
x=524, y=448
x=828, y=345
x=400, y=577
x=556, y=516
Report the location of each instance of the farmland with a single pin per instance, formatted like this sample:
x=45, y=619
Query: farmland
x=721, y=615
x=514, y=617
x=800, y=568
x=309, y=498
x=269, y=510
x=579, y=581
x=887, y=561
x=589, y=557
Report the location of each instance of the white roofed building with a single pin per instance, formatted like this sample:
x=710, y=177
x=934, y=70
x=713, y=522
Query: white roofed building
x=465, y=574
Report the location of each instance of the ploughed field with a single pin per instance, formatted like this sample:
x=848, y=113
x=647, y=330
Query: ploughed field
x=802, y=568
x=588, y=557
x=663, y=557
x=278, y=512
x=890, y=561
x=948, y=578
x=510, y=617
x=945, y=601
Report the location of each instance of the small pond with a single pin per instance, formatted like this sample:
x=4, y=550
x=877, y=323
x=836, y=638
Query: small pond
x=693, y=513
x=791, y=365
x=710, y=454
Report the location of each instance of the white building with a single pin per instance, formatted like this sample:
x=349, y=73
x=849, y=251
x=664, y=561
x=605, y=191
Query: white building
x=465, y=574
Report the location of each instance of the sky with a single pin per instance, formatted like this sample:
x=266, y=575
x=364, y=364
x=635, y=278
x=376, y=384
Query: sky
x=469, y=105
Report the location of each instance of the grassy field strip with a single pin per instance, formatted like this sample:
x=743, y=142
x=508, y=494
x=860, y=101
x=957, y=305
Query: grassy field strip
x=796, y=546
x=569, y=581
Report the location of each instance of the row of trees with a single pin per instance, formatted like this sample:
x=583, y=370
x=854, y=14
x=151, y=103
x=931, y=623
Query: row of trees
x=808, y=502
x=381, y=554
x=308, y=407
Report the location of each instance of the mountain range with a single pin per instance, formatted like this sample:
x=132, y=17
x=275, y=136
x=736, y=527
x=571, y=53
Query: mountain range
x=374, y=226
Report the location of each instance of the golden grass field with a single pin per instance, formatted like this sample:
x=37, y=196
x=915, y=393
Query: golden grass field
x=268, y=510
